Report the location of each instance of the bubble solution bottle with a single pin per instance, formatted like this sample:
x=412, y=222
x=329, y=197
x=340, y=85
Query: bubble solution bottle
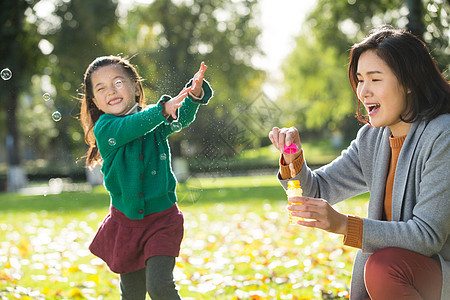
x=294, y=190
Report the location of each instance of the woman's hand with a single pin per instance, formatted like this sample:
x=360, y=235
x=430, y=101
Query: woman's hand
x=197, y=81
x=171, y=106
x=286, y=136
x=318, y=213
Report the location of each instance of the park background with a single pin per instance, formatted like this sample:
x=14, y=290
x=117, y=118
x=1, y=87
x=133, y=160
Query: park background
x=238, y=244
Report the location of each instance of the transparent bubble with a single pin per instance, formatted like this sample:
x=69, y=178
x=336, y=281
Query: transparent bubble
x=163, y=156
x=154, y=172
x=176, y=126
x=56, y=116
x=118, y=84
x=6, y=74
x=46, y=96
x=112, y=141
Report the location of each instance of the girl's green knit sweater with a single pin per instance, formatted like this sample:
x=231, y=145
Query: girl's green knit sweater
x=136, y=156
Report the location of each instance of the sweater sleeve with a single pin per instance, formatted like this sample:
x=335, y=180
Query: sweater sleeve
x=113, y=131
x=285, y=172
x=353, y=237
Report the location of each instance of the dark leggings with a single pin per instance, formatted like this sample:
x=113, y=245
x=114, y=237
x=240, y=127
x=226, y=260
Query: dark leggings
x=156, y=279
x=395, y=273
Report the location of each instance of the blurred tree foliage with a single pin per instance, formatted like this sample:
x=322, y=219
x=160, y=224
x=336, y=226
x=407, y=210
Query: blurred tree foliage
x=169, y=40
x=316, y=82
x=79, y=37
x=18, y=53
x=47, y=45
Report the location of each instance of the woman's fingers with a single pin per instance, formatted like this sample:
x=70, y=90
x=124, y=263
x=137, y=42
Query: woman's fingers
x=284, y=136
x=319, y=214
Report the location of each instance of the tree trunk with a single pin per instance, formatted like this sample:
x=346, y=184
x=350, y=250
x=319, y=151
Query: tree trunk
x=16, y=178
x=415, y=17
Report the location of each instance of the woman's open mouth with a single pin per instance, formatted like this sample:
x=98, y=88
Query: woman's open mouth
x=372, y=108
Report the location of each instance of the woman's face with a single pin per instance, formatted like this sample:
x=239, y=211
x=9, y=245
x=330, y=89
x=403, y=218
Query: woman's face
x=114, y=91
x=381, y=93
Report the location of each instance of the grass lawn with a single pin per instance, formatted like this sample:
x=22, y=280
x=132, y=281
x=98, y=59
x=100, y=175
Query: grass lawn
x=237, y=245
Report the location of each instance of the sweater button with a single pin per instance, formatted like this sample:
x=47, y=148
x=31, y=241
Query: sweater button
x=141, y=195
x=141, y=176
x=139, y=138
x=141, y=156
x=141, y=211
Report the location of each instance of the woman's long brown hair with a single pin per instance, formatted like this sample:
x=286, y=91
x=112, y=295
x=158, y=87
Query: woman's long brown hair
x=89, y=111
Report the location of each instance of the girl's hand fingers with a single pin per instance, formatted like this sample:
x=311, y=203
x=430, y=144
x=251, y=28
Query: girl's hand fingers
x=198, y=77
x=183, y=94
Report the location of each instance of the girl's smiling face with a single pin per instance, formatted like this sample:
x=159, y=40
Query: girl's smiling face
x=381, y=93
x=114, y=91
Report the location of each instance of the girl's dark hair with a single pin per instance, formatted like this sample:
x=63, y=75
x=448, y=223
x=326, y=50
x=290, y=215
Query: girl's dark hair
x=90, y=113
x=411, y=61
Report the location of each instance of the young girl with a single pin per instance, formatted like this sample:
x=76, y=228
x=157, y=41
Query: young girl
x=141, y=236
x=402, y=157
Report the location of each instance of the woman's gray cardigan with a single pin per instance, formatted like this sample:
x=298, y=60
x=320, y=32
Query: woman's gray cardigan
x=420, y=200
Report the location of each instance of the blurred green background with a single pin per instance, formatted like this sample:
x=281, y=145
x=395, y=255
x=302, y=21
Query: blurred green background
x=47, y=45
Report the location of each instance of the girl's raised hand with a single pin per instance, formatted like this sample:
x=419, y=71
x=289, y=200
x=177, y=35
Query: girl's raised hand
x=171, y=106
x=197, y=80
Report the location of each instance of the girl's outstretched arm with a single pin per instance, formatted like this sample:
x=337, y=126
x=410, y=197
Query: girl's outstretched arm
x=171, y=106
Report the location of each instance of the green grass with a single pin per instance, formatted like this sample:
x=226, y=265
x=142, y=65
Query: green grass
x=237, y=245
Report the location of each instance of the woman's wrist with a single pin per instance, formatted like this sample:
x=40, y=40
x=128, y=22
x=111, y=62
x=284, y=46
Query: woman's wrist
x=289, y=158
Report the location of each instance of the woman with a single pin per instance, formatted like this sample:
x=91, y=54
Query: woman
x=402, y=157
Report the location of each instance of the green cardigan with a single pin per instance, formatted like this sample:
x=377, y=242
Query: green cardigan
x=136, y=156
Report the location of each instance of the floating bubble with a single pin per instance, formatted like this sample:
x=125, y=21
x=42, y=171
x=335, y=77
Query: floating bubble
x=6, y=74
x=176, y=126
x=154, y=172
x=112, y=141
x=118, y=84
x=56, y=116
x=163, y=156
x=46, y=96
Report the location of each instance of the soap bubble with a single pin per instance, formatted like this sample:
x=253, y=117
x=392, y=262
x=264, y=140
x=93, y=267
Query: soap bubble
x=112, y=141
x=118, y=84
x=46, y=96
x=163, y=156
x=6, y=74
x=56, y=116
x=176, y=126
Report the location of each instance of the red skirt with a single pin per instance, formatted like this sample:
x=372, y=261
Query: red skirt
x=125, y=244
